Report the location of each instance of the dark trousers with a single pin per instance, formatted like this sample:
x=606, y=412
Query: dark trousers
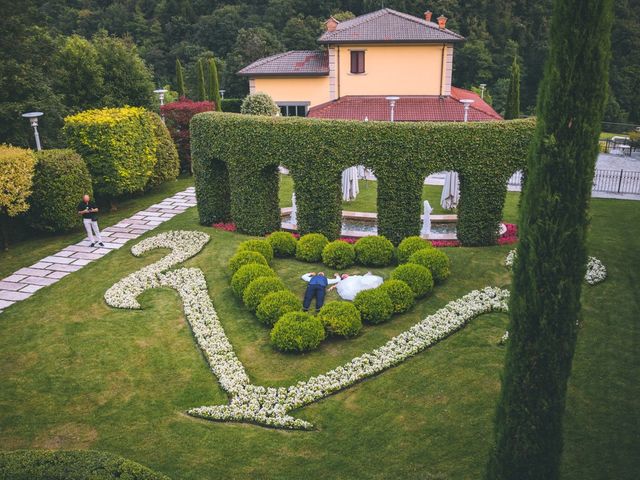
x=314, y=291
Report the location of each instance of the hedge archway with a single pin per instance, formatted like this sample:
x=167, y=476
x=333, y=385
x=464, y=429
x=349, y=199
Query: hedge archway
x=316, y=152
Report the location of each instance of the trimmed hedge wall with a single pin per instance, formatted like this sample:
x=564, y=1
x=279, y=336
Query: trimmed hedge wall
x=168, y=164
x=71, y=465
x=402, y=154
x=118, y=145
x=60, y=180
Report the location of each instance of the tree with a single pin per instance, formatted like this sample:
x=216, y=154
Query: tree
x=214, y=85
x=301, y=33
x=512, y=108
x=202, y=91
x=182, y=91
x=548, y=274
x=16, y=179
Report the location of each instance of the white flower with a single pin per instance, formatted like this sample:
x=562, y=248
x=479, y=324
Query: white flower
x=596, y=271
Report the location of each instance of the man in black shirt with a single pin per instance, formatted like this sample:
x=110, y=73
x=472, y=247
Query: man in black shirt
x=89, y=212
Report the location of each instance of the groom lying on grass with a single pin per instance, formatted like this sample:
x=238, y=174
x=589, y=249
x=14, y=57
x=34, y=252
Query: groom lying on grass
x=317, y=289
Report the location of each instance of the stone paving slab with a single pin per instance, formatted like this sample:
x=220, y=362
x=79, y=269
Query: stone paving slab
x=26, y=281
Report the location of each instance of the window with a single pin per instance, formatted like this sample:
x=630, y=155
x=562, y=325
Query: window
x=357, y=61
x=293, y=109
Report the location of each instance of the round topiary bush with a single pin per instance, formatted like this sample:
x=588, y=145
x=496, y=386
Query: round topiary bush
x=374, y=251
x=276, y=304
x=341, y=319
x=259, y=245
x=246, y=274
x=338, y=254
x=410, y=245
x=61, y=178
x=260, y=288
x=283, y=244
x=400, y=293
x=297, y=332
x=418, y=278
x=310, y=246
x=259, y=104
x=435, y=260
x=246, y=257
x=374, y=305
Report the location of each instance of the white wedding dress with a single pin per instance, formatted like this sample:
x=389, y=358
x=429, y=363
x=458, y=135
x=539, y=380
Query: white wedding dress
x=352, y=285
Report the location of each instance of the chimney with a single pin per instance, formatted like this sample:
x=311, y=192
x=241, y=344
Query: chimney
x=331, y=24
x=427, y=15
x=442, y=22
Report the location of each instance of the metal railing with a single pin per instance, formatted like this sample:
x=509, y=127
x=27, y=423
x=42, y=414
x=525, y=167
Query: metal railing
x=606, y=181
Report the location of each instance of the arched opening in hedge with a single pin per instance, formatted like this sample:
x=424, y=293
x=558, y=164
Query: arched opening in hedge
x=316, y=152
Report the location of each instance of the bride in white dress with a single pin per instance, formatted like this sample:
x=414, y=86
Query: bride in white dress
x=350, y=285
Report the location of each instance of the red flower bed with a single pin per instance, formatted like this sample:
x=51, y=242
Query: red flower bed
x=507, y=238
x=177, y=116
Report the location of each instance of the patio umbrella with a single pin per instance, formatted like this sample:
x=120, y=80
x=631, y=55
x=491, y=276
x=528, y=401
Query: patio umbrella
x=450, y=191
x=350, y=187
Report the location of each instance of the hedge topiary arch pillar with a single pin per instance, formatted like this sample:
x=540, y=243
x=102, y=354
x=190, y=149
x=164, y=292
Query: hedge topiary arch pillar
x=255, y=206
x=399, y=209
x=214, y=204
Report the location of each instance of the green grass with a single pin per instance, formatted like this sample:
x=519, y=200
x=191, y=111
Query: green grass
x=78, y=374
x=27, y=247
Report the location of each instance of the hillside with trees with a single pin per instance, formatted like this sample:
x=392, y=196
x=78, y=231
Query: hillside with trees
x=55, y=52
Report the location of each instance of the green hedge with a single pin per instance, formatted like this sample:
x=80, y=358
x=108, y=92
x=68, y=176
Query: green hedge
x=231, y=105
x=71, y=465
x=341, y=319
x=246, y=274
x=283, y=244
x=402, y=154
x=435, y=260
x=259, y=289
x=374, y=305
x=118, y=145
x=418, y=278
x=338, y=255
x=167, y=165
x=276, y=304
x=261, y=246
x=310, y=247
x=400, y=294
x=60, y=179
x=410, y=245
x=374, y=251
x=245, y=257
x=297, y=332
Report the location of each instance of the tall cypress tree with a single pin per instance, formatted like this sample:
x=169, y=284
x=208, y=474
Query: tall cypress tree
x=182, y=92
x=512, y=109
x=548, y=274
x=202, y=91
x=214, y=85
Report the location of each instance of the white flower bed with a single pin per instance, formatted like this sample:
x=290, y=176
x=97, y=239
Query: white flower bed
x=596, y=271
x=266, y=405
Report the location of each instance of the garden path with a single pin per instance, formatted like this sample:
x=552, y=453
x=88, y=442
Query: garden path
x=25, y=282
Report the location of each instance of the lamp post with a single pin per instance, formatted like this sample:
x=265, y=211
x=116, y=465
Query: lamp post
x=33, y=119
x=222, y=93
x=392, y=105
x=467, y=103
x=160, y=92
x=482, y=87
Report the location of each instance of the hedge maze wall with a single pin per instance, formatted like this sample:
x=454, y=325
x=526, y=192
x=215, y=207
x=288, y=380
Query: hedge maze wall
x=235, y=160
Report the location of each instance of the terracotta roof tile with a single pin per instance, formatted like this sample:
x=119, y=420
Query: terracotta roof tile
x=296, y=62
x=388, y=25
x=409, y=108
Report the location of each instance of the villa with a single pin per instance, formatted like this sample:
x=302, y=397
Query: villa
x=365, y=60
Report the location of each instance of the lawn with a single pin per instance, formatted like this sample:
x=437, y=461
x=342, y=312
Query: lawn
x=78, y=374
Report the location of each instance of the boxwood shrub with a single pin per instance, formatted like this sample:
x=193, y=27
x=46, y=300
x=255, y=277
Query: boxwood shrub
x=276, y=304
x=401, y=295
x=245, y=274
x=435, y=260
x=410, y=245
x=260, y=288
x=341, y=319
x=245, y=257
x=118, y=145
x=283, y=244
x=374, y=305
x=310, y=247
x=485, y=155
x=167, y=165
x=61, y=178
x=71, y=465
x=297, y=332
x=375, y=251
x=338, y=254
x=261, y=246
x=418, y=278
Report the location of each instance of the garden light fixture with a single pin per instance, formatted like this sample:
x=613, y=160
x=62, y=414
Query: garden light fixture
x=33, y=119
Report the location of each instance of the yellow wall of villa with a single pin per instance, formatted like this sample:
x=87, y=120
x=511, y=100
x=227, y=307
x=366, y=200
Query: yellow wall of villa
x=294, y=89
x=393, y=70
